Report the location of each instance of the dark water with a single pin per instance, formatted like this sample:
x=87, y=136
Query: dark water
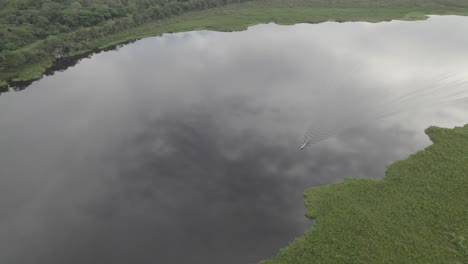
x=184, y=148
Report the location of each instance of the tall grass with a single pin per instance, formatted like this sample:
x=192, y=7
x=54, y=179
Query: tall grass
x=417, y=214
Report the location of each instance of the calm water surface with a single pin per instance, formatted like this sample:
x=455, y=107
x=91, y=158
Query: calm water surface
x=184, y=148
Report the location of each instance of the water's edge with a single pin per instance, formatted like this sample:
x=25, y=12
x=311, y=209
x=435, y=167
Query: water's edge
x=69, y=61
x=318, y=199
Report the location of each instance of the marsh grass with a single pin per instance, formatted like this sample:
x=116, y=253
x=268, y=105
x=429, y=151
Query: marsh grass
x=417, y=214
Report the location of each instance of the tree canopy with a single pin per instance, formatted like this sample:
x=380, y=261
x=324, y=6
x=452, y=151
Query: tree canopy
x=71, y=24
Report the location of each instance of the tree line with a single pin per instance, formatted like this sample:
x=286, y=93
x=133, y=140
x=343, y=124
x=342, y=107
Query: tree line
x=73, y=25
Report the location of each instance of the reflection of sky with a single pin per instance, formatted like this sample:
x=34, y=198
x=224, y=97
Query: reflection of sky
x=184, y=148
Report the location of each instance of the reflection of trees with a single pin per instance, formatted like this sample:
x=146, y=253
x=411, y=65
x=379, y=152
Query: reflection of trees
x=60, y=64
x=37, y=31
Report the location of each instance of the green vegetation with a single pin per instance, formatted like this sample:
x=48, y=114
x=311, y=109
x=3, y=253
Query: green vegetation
x=34, y=32
x=38, y=31
x=417, y=214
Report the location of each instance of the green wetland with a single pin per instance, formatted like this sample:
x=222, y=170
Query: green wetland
x=185, y=148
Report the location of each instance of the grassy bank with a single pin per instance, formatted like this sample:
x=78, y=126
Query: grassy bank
x=417, y=214
x=234, y=17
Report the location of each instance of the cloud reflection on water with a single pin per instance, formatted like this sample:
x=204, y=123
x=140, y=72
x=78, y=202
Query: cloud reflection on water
x=184, y=148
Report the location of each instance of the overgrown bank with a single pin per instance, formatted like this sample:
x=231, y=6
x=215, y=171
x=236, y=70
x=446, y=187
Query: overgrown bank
x=31, y=40
x=417, y=214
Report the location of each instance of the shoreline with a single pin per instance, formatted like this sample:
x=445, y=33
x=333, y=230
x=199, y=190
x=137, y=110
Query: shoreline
x=229, y=18
x=415, y=214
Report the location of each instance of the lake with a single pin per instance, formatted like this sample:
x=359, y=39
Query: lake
x=185, y=148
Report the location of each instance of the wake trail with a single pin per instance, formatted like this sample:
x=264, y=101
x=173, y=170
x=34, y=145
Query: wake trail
x=384, y=102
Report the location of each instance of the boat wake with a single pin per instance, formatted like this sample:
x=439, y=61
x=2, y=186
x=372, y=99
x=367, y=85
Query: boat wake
x=378, y=100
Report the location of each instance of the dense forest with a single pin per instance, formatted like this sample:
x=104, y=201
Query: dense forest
x=34, y=30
